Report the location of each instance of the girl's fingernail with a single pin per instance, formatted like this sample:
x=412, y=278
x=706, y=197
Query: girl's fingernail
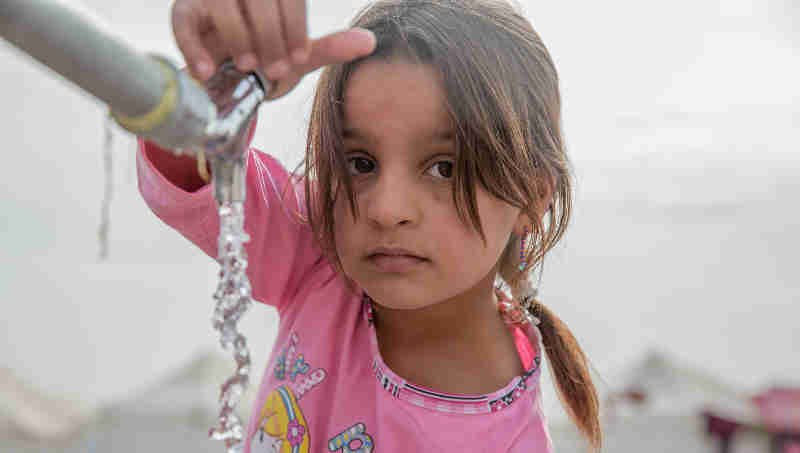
x=246, y=62
x=278, y=69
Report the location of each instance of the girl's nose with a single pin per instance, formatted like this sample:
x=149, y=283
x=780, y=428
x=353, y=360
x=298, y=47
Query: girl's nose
x=391, y=202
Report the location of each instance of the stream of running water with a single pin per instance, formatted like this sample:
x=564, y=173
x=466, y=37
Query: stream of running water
x=232, y=301
x=237, y=97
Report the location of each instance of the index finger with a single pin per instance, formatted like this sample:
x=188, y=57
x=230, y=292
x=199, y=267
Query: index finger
x=339, y=47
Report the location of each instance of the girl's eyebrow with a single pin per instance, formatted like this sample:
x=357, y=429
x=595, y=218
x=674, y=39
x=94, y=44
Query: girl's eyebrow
x=445, y=135
x=437, y=136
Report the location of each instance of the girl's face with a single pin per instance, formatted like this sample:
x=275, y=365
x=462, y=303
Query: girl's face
x=400, y=152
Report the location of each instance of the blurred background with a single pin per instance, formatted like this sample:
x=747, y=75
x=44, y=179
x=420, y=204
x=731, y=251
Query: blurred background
x=677, y=276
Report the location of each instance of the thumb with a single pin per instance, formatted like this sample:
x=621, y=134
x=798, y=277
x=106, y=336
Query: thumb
x=339, y=47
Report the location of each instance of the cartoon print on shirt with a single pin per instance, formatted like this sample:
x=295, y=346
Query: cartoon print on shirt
x=352, y=440
x=281, y=426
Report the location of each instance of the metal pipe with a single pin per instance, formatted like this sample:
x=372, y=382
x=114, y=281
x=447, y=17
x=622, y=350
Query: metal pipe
x=147, y=95
x=69, y=39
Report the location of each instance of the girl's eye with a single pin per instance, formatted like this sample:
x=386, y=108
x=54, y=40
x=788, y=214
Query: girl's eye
x=360, y=165
x=444, y=168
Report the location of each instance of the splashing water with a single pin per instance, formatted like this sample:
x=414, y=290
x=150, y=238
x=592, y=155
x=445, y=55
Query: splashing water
x=233, y=299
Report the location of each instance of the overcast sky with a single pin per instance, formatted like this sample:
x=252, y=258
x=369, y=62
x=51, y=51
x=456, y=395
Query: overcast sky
x=681, y=118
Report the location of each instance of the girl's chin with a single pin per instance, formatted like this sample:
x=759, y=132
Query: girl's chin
x=399, y=298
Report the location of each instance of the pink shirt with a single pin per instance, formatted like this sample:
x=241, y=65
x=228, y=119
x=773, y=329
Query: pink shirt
x=325, y=387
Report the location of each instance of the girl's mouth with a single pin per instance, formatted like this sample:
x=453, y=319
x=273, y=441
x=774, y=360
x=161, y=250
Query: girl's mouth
x=395, y=263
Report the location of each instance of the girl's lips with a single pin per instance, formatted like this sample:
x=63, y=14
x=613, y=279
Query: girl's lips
x=395, y=263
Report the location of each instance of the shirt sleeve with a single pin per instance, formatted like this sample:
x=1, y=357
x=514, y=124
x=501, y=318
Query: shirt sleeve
x=281, y=252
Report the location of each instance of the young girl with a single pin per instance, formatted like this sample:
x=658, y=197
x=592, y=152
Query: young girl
x=436, y=180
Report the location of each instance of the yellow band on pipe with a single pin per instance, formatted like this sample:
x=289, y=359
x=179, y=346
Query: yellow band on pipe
x=156, y=116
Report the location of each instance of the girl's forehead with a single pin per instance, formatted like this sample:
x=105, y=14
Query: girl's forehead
x=383, y=96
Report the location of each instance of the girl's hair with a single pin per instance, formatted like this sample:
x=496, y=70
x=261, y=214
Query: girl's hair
x=501, y=89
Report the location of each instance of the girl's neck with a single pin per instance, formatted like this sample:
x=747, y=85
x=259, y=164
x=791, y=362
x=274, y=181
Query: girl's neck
x=447, y=345
x=463, y=318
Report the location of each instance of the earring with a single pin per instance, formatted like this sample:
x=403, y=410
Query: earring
x=523, y=246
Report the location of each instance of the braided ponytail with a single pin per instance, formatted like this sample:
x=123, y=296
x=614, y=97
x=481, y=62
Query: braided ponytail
x=568, y=364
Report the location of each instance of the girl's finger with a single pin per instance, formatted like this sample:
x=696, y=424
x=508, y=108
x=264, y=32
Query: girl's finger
x=265, y=25
x=335, y=48
x=339, y=47
x=189, y=22
x=295, y=29
x=232, y=27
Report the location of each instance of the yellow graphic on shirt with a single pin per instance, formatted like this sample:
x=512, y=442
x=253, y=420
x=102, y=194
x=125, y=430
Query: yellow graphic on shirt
x=281, y=427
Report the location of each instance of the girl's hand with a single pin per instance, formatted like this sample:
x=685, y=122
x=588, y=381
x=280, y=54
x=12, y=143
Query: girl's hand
x=268, y=34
